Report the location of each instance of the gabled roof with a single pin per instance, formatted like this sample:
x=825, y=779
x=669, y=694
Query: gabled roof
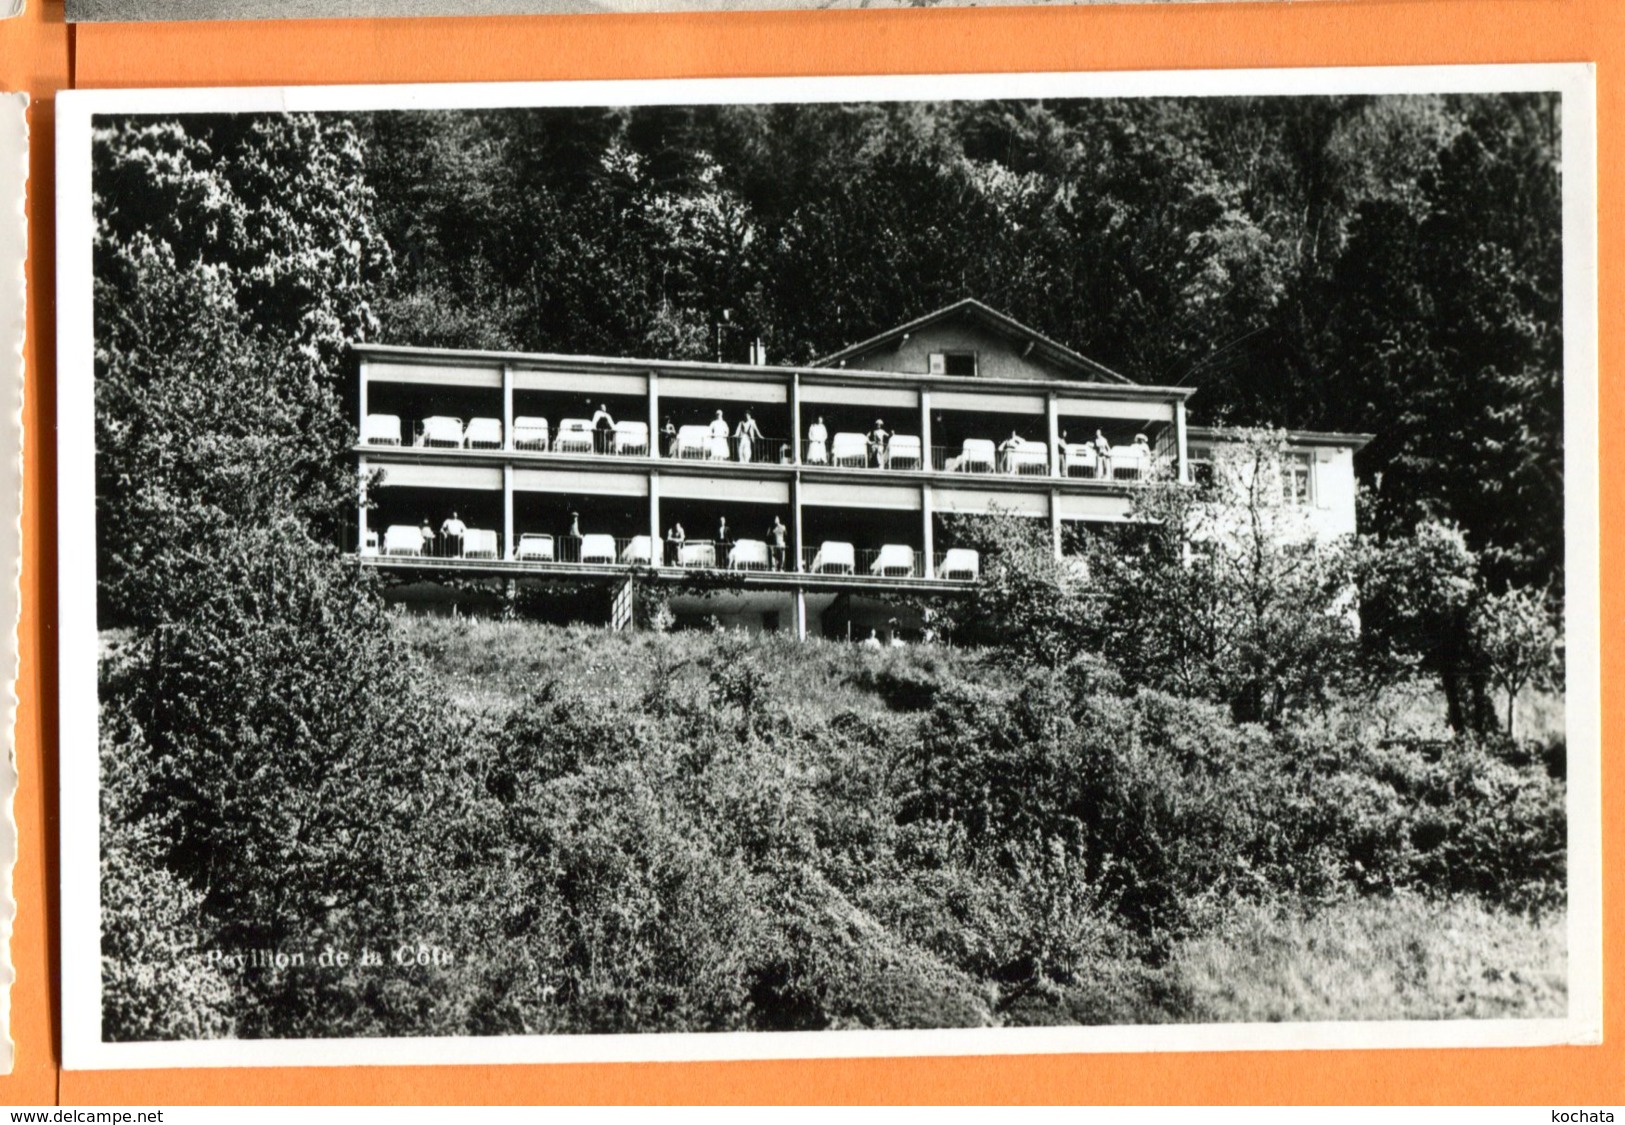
x=1058, y=355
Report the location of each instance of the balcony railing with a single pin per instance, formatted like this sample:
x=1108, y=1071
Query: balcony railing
x=409, y=543
x=903, y=454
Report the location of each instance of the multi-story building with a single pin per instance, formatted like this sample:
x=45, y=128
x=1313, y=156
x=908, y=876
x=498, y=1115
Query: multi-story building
x=811, y=498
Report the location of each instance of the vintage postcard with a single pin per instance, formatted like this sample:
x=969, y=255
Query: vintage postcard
x=829, y=567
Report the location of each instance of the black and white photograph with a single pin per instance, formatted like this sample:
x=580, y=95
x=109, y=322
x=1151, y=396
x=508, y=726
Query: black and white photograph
x=829, y=567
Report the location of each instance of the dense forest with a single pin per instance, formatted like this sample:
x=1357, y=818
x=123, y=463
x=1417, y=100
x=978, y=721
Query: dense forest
x=1073, y=813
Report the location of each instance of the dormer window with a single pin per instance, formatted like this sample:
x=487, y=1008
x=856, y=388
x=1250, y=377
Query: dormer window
x=953, y=363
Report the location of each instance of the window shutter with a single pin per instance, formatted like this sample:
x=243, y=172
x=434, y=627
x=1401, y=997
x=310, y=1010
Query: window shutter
x=939, y=363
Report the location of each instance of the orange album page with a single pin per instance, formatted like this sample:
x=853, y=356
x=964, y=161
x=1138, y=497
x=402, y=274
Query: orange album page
x=39, y=54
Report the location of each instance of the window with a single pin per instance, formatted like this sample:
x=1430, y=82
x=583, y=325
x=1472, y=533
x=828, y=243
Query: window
x=1296, y=472
x=1201, y=465
x=953, y=363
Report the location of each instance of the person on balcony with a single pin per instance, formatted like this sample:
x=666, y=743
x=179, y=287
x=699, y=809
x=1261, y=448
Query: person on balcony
x=675, y=538
x=428, y=536
x=668, y=437
x=818, y=443
x=603, y=429
x=1010, y=444
x=747, y=435
x=719, y=438
x=878, y=437
x=452, y=530
x=776, y=542
x=722, y=534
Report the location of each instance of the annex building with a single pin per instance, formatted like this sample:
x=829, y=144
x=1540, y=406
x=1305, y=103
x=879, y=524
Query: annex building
x=808, y=498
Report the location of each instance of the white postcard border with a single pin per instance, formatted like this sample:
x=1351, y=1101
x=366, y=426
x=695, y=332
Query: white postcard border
x=80, y=854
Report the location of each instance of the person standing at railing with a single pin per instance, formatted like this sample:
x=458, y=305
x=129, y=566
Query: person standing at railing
x=1103, y=456
x=747, y=435
x=603, y=429
x=817, y=443
x=668, y=438
x=428, y=536
x=453, y=530
x=1007, y=449
x=878, y=437
x=1060, y=453
x=722, y=535
x=776, y=537
x=719, y=438
x=675, y=538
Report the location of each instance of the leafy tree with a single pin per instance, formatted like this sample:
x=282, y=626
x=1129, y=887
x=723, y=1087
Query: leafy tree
x=1417, y=598
x=1514, y=634
x=1228, y=594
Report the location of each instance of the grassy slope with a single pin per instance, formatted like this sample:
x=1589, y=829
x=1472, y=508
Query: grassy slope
x=1398, y=958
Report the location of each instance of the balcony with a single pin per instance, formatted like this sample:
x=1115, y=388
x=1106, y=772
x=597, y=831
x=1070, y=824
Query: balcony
x=413, y=547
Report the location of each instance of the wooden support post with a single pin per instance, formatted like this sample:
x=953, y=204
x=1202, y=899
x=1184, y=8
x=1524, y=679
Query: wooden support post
x=507, y=512
x=797, y=561
x=795, y=422
x=928, y=536
x=654, y=415
x=507, y=407
x=1054, y=412
x=1180, y=452
x=1055, y=521
x=927, y=462
x=657, y=543
x=362, y=392
x=801, y=613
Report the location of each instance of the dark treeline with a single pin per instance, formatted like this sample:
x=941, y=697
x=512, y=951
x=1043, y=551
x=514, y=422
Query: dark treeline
x=1388, y=265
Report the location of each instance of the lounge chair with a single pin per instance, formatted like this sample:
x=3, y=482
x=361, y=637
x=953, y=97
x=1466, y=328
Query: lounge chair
x=1130, y=462
x=748, y=554
x=691, y=442
x=403, y=539
x=639, y=551
x=631, y=439
x=1026, y=460
x=534, y=547
x=1082, y=461
x=850, y=451
x=977, y=455
x=575, y=436
x=381, y=429
x=895, y=560
x=960, y=563
x=903, y=452
x=598, y=549
x=699, y=552
x=530, y=433
x=834, y=558
x=479, y=544
x=483, y=433
x=441, y=431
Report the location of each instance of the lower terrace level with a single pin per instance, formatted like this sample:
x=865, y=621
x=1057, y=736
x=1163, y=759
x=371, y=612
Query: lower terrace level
x=829, y=606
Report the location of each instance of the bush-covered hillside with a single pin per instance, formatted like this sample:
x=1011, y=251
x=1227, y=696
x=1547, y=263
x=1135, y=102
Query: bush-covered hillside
x=706, y=831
